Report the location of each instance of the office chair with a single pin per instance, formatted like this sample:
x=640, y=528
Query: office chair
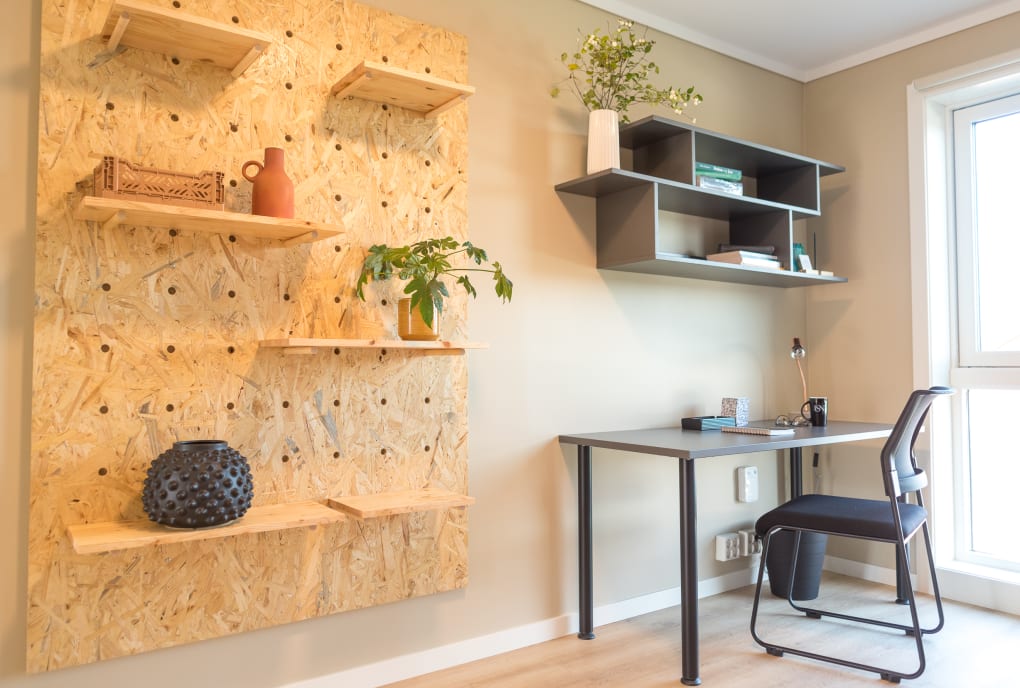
x=892, y=520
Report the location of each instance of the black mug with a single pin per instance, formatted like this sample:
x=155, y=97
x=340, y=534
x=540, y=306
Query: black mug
x=818, y=410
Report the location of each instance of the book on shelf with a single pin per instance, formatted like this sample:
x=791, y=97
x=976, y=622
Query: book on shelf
x=749, y=258
x=716, y=184
x=707, y=169
x=770, y=250
x=739, y=255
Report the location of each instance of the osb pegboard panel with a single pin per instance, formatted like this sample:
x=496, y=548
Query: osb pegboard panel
x=144, y=336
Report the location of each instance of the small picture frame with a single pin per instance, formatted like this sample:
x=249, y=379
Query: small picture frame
x=805, y=262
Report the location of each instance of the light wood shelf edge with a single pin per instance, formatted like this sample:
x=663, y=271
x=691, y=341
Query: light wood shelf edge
x=95, y=538
x=311, y=345
x=421, y=93
x=148, y=27
x=114, y=211
x=403, y=502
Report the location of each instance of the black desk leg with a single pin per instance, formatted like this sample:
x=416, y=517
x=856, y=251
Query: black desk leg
x=688, y=576
x=796, y=473
x=585, y=588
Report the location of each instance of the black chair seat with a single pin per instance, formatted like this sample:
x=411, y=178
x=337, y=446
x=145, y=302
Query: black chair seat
x=865, y=518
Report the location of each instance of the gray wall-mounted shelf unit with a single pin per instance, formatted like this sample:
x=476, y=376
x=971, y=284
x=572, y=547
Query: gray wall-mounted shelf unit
x=779, y=188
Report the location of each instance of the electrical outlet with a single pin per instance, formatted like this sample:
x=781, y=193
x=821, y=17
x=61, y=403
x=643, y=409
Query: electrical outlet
x=748, y=542
x=727, y=547
x=747, y=484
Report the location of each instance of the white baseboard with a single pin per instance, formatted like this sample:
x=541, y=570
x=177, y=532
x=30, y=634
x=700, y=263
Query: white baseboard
x=987, y=592
x=868, y=572
x=446, y=656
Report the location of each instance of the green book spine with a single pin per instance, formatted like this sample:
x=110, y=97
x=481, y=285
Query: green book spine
x=705, y=169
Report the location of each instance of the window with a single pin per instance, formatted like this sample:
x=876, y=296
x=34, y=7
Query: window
x=987, y=142
x=986, y=138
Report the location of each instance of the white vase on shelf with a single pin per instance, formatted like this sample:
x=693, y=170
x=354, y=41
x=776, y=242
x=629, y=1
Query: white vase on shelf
x=603, y=140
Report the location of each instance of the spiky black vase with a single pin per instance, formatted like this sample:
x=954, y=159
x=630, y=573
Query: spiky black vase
x=197, y=484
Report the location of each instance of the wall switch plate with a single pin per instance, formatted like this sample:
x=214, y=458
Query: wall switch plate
x=747, y=484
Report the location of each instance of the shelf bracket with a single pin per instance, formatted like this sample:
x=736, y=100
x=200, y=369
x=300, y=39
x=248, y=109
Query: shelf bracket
x=341, y=91
x=442, y=352
x=115, y=220
x=305, y=238
x=246, y=61
x=118, y=32
x=300, y=351
x=456, y=100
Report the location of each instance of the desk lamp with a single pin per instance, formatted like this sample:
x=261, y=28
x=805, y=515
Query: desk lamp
x=798, y=352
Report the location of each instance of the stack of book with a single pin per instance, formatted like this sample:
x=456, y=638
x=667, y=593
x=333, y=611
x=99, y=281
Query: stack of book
x=718, y=178
x=749, y=258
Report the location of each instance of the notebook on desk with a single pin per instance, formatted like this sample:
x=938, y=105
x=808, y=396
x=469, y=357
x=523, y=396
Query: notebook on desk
x=750, y=430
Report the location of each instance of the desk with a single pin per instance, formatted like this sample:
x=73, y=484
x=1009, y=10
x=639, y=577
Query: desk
x=688, y=445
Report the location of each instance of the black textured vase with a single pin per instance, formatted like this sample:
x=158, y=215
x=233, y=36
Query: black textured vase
x=197, y=484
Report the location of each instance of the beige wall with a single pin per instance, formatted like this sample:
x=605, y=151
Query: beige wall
x=861, y=332
x=577, y=350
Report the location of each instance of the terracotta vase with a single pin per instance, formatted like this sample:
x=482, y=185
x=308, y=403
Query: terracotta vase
x=272, y=191
x=410, y=325
x=603, y=140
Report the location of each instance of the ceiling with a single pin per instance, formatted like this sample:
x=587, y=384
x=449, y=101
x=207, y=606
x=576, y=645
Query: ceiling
x=808, y=39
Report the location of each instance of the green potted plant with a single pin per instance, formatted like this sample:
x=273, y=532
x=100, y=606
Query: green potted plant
x=423, y=264
x=608, y=73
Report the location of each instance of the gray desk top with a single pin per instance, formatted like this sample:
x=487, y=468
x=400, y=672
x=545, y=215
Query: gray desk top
x=697, y=444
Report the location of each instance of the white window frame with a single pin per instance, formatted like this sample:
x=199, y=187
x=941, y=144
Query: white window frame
x=976, y=369
x=970, y=351
x=930, y=102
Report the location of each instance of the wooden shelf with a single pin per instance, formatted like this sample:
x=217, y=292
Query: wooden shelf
x=93, y=538
x=418, y=92
x=147, y=27
x=112, y=212
x=409, y=501
x=296, y=345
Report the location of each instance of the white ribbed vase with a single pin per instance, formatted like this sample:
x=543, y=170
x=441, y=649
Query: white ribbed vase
x=603, y=140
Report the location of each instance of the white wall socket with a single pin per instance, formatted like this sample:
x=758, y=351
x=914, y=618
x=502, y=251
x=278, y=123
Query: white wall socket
x=747, y=484
x=727, y=547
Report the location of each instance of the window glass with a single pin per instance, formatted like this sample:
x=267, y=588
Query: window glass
x=994, y=467
x=997, y=232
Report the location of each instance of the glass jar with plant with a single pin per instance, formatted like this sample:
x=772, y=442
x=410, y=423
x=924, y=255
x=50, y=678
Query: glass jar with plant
x=608, y=73
x=423, y=264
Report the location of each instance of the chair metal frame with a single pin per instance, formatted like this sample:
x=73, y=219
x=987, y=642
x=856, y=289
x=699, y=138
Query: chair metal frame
x=901, y=476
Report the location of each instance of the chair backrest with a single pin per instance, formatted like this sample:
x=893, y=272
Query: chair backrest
x=899, y=469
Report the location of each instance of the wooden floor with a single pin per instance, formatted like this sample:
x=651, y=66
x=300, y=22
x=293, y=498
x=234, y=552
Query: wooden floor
x=977, y=648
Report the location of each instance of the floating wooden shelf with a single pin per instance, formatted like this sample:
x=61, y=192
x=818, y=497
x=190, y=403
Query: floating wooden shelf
x=112, y=212
x=418, y=92
x=147, y=27
x=93, y=538
x=390, y=503
x=309, y=346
